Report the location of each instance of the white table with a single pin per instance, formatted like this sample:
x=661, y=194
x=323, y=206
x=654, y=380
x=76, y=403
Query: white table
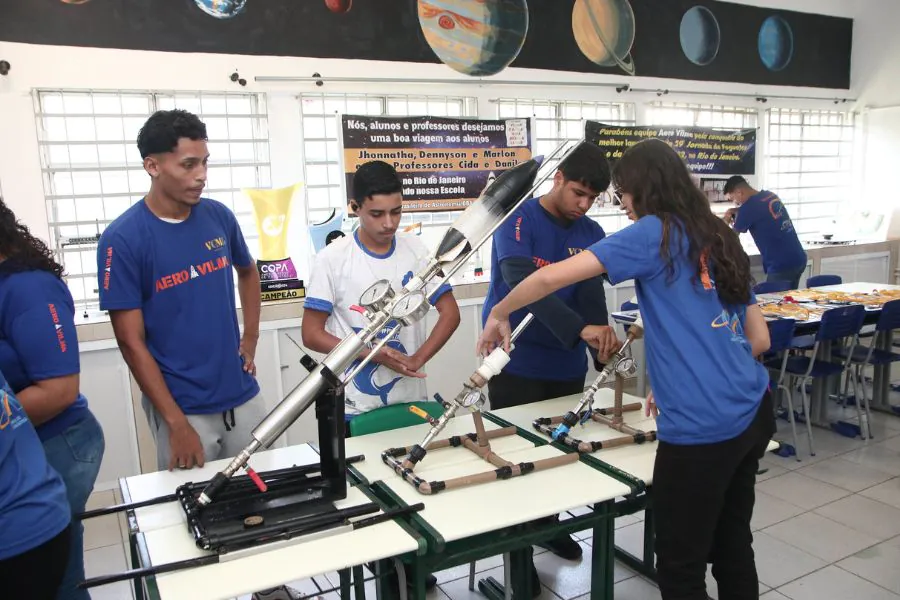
x=164, y=537
x=469, y=517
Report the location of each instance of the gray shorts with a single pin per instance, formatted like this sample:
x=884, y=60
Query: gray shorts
x=223, y=434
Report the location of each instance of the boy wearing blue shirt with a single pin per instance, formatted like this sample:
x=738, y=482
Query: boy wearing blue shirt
x=34, y=511
x=166, y=277
x=550, y=359
x=764, y=215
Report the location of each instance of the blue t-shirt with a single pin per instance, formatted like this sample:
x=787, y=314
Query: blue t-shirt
x=532, y=233
x=38, y=339
x=706, y=382
x=181, y=277
x=766, y=218
x=33, y=504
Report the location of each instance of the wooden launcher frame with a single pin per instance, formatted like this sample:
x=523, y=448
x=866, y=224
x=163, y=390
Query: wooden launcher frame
x=558, y=428
x=404, y=460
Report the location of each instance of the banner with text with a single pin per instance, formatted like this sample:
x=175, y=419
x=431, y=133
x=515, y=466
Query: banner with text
x=445, y=163
x=704, y=149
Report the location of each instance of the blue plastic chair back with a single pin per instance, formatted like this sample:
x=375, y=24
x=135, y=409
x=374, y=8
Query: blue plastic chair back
x=629, y=306
x=841, y=322
x=823, y=280
x=889, y=319
x=781, y=334
x=770, y=287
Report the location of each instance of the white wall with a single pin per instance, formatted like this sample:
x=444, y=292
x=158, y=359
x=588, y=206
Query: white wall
x=98, y=69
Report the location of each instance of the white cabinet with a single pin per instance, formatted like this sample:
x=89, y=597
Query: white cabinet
x=870, y=268
x=305, y=428
x=106, y=384
x=450, y=368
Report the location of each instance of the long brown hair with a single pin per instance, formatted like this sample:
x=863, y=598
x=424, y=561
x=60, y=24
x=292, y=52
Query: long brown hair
x=661, y=185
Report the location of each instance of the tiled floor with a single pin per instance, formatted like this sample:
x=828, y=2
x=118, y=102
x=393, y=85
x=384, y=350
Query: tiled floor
x=826, y=528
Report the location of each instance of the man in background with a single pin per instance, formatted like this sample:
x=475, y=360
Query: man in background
x=764, y=215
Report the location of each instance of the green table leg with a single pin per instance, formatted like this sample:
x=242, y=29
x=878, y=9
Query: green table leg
x=603, y=559
x=359, y=583
x=344, y=574
x=417, y=573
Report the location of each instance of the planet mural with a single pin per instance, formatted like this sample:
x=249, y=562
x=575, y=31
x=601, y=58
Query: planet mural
x=222, y=9
x=700, y=35
x=474, y=37
x=604, y=32
x=776, y=43
x=75, y=1
x=339, y=6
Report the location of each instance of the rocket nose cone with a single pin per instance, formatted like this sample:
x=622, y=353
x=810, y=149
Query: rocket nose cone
x=538, y=159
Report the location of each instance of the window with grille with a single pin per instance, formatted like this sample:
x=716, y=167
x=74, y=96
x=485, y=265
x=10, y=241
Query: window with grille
x=560, y=121
x=702, y=115
x=93, y=171
x=321, y=142
x=809, y=163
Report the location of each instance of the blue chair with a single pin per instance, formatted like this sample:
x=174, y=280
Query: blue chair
x=861, y=356
x=625, y=307
x=770, y=287
x=781, y=334
x=836, y=324
x=823, y=280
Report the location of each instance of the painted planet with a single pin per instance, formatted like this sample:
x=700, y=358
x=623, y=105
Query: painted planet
x=700, y=35
x=222, y=9
x=604, y=32
x=74, y=1
x=475, y=37
x=776, y=43
x=339, y=6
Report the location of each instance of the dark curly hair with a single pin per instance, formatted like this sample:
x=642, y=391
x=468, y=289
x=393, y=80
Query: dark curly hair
x=20, y=250
x=660, y=184
x=161, y=132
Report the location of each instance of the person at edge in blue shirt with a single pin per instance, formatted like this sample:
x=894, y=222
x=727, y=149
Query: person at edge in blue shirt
x=764, y=215
x=703, y=331
x=39, y=356
x=34, y=512
x=550, y=359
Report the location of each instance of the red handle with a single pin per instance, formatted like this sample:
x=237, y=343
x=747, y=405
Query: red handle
x=255, y=478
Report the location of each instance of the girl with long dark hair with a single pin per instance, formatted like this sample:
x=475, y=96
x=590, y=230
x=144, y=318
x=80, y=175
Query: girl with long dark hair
x=703, y=331
x=39, y=357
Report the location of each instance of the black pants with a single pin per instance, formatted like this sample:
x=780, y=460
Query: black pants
x=37, y=573
x=507, y=390
x=703, y=497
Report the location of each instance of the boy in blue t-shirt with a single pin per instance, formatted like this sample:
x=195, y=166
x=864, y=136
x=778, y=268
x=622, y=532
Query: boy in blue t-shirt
x=550, y=359
x=34, y=511
x=764, y=215
x=166, y=276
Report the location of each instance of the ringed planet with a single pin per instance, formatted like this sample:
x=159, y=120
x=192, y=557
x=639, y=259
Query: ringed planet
x=604, y=32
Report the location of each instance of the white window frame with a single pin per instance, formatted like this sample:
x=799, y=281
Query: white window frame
x=73, y=240
x=810, y=164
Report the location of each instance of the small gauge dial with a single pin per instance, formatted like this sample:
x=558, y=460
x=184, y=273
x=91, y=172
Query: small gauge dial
x=377, y=296
x=471, y=399
x=626, y=366
x=410, y=307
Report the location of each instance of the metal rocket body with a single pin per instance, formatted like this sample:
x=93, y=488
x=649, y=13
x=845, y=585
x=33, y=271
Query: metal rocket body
x=495, y=203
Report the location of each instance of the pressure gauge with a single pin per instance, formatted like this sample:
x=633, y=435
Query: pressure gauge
x=410, y=307
x=626, y=366
x=377, y=296
x=473, y=400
